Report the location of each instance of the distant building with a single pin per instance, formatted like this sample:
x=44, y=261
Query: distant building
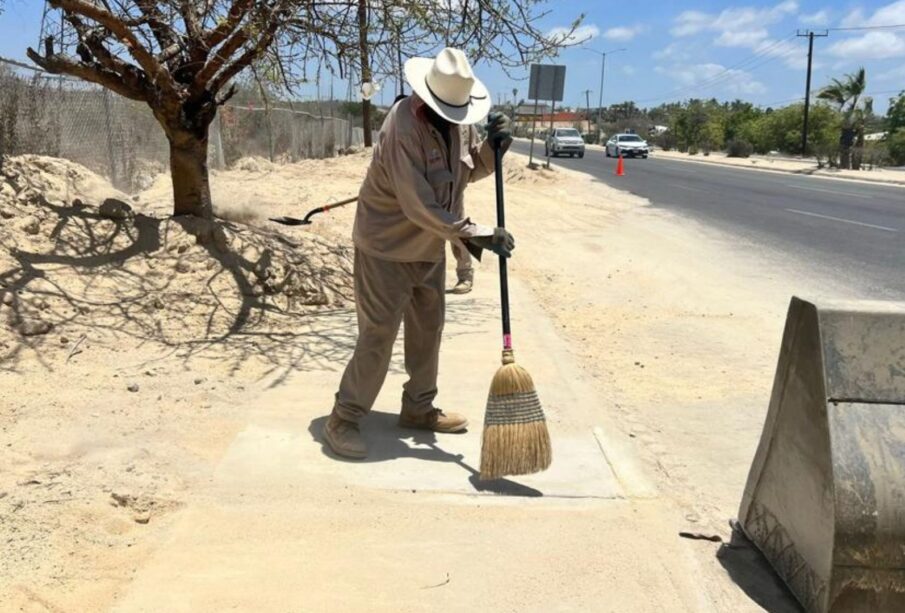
x=656, y=130
x=875, y=137
x=561, y=119
x=526, y=112
x=567, y=119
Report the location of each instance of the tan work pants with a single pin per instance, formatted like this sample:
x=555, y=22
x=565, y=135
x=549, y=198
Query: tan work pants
x=386, y=293
x=464, y=266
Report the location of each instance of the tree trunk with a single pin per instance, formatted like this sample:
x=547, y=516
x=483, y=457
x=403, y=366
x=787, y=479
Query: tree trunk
x=858, y=153
x=191, y=183
x=845, y=148
x=845, y=158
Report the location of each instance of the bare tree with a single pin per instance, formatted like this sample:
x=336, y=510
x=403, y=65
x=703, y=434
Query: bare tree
x=370, y=37
x=179, y=56
x=505, y=33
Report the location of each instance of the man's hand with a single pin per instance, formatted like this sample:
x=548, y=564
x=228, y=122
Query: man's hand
x=499, y=129
x=501, y=243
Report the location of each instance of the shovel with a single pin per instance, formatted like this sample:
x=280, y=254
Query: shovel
x=295, y=221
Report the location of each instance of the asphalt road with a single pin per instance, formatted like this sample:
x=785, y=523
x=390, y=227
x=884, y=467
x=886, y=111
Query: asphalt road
x=849, y=231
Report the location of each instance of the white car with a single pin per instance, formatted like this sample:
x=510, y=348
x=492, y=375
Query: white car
x=564, y=140
x=627, y=145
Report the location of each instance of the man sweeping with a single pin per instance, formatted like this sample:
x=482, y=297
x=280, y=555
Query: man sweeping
x=409, y=206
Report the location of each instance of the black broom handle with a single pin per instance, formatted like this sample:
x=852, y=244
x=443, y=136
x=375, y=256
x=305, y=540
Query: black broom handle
x=501, y=222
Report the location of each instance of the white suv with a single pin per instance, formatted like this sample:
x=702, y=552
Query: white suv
x=564, y=140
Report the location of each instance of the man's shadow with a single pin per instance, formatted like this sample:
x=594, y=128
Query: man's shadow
x=387, y=440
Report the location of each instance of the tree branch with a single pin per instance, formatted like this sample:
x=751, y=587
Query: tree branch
x=116, y=26
x=227, y=26
x=61, y=64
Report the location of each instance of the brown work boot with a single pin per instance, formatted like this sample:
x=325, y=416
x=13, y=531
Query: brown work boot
x=344, y=438
x=464, y=281
x=435, y=420
x=462, y=287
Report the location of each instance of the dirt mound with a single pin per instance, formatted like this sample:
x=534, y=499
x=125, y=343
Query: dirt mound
x=77, y=265
x=517, y=172
x=31, y=177
x=254, y=164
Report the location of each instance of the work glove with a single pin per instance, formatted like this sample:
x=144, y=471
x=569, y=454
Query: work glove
x=499, y=129
x=501, y=243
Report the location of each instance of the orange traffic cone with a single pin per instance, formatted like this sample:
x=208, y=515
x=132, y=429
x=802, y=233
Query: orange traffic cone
x=620, y=167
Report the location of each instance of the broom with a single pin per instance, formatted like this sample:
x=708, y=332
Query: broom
x=515, y=441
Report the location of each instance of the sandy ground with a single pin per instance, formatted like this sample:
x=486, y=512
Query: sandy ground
x=166, y=457
x=762, y=162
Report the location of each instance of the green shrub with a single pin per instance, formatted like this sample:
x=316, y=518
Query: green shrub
x=692, y=149
x=895, y=144
x=739, y=148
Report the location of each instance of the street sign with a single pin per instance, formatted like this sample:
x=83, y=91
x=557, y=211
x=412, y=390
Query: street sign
x=547, y=82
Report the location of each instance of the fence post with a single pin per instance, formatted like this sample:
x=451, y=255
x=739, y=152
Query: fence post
x=217, y=142
x=351, y=133
x=110, y=154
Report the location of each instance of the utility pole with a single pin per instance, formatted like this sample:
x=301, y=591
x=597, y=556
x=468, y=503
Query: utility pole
x=587, y=101
x=365, y=68
x=807, y=88
x=600, y=97
x=603, y=55
x=400, y=81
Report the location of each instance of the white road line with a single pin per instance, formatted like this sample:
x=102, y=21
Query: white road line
x=839, y=219
x=830, y=191
x=688, y=187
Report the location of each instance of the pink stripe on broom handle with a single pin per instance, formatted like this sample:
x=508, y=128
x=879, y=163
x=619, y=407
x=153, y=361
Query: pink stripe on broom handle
x=507, y=341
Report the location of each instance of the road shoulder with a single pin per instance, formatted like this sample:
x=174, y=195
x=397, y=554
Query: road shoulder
x=889, y=178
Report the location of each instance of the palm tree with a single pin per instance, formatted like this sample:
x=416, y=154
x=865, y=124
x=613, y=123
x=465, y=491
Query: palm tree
x=846, y=95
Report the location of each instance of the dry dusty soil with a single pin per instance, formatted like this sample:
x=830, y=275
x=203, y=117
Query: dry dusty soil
x=163, y=385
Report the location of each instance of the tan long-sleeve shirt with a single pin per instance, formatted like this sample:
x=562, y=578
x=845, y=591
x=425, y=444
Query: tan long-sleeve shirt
x=411, y=200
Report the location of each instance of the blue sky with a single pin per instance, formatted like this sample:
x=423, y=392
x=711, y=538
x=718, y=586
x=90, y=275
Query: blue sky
x=676, y=50
x=744, y=49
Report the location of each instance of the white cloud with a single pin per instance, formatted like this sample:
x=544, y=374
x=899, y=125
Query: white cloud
x=691, y=22
x=742, y=38
x=820, y=18
x=890, y=14
x=673, y=51
x=623, y=33
x=582, y=34
x=870, y=46
x=712, y=77
x=629, y=70
x=731, y=21
x=854, y=19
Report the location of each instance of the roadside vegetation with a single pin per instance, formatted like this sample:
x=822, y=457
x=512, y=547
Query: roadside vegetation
x=844, y=130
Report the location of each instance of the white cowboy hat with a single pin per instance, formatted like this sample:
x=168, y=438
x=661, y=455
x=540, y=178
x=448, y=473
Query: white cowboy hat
x=447, y=85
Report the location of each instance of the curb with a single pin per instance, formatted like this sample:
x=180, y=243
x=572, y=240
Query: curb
x=885, y=182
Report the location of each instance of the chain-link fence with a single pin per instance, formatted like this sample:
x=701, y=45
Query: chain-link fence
x=120, y=139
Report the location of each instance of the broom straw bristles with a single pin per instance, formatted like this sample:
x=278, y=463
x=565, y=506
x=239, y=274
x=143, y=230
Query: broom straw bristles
x=515, y=440
x=510, y=378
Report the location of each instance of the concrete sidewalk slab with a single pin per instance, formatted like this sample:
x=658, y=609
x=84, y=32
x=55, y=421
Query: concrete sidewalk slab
x=284, y=526
x=283, y=442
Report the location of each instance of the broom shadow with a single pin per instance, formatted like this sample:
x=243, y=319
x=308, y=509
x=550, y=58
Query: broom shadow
x=387, y=441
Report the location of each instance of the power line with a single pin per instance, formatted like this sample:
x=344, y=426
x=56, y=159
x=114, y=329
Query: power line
x=727, y=73
x=896, y=26
x=788, y=101
x=750, y=63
